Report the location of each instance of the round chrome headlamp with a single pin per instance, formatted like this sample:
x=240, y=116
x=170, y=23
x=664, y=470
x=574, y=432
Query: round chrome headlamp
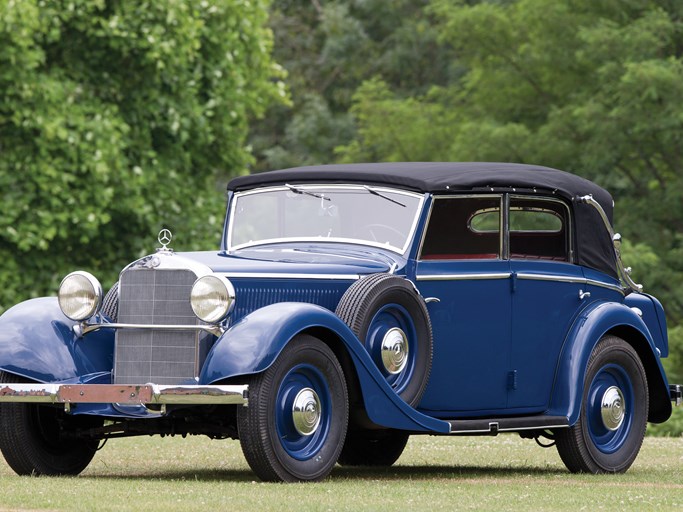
x=212, y=298
x=80, y=295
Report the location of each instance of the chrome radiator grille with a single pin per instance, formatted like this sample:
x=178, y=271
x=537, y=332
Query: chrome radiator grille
x=157, y=297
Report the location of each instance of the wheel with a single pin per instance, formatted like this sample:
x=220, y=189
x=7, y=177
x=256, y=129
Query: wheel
x=373, y=448
x=33, y=440
x=610, y=430
x=110, y=303
x=295, y=424
x=391, y=320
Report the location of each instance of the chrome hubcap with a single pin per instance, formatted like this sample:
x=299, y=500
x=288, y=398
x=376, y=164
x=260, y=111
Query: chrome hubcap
x=395, y=350
x=306, y=411
x=613, y=408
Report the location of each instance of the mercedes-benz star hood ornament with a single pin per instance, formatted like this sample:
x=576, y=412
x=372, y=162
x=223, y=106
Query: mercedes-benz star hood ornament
x=165, y=237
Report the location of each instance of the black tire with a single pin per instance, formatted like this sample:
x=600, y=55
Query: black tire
x=610, y=443
x=376, y=304
x=373, y=448
x=32, y=440
x=274, y=446
x=110, y=303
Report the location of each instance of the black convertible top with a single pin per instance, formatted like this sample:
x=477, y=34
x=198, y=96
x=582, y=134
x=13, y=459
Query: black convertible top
x=594, y=246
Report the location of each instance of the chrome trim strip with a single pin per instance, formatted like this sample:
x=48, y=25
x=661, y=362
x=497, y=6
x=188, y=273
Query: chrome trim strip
x=124, y=394
x=261, y=275
x=613, y=287
x=543, y=427
x=478, y=431
x=85, y=328
x=504, y=228
x=464, y=277
x=569, y=279
x=510, y=429
x=551, y=277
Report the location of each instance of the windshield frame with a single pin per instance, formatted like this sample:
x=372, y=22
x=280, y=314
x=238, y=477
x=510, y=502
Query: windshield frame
x=315, y=187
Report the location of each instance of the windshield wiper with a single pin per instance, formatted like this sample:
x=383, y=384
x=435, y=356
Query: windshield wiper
x=306, y=192
x=375, y=193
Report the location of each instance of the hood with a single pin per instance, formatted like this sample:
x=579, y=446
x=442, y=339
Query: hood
x=294, y=260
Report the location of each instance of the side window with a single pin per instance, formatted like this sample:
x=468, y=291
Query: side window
x=539, y=229
x=463, y=228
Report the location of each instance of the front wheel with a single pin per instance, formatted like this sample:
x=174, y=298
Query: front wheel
x=611, y=427
x=41, y=439
x=295, y=424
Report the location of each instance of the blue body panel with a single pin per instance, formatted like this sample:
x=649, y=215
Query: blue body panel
x=253, y=344
x=542, y=313
x=471, y=350
x=594, y=321
x=653, y=316
x=37, y=342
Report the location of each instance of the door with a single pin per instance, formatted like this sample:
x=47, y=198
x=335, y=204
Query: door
x=547, y=296
x=467, y=285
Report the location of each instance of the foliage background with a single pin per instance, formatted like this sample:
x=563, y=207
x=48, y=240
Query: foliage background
x=120, y=117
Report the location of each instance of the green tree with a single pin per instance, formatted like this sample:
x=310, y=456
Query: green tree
x=116, y=118
x=328, y=49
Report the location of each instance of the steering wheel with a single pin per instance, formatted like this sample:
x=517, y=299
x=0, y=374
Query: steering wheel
x=371, y=228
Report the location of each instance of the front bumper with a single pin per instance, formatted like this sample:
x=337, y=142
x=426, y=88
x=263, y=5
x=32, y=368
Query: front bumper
x=147, y=394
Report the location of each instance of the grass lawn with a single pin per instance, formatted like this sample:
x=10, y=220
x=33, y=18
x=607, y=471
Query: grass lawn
x=434, y=473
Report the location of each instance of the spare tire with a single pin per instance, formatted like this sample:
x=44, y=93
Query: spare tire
x=390, y=318
x=110, y=303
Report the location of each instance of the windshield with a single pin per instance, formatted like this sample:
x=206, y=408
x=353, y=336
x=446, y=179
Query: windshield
x=373, y=216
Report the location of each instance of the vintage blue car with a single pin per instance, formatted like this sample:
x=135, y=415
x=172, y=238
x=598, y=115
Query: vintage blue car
x=349, y=307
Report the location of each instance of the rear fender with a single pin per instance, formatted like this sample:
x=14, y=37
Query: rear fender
x=654, y=317
x=593, y=323
x=254, y=343
x=37, y=342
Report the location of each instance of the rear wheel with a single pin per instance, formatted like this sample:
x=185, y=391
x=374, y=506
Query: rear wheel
x=610, y=430
x=295, y=424
x=35, y=440
x=373, y=448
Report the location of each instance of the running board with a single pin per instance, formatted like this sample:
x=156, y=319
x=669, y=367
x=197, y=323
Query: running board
x=492, y=426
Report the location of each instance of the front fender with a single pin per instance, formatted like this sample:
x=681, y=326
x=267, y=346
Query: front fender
x=37, y=342
x=592, y=324
x=252, y=345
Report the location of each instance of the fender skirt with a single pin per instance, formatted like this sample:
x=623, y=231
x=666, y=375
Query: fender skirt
x=252, y=344
x=37, y=342
x=591, y=325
